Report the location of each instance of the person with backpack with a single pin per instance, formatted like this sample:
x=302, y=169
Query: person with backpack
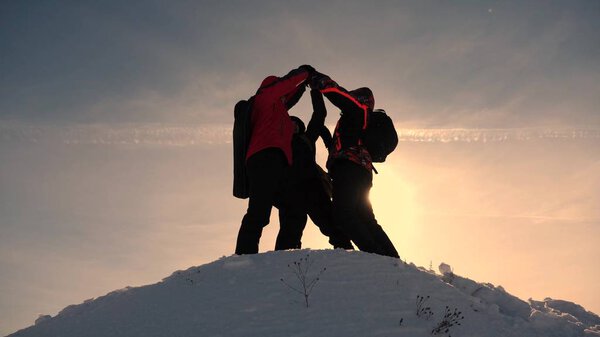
x=269, y=151
x=306, y=188
x=351, y=167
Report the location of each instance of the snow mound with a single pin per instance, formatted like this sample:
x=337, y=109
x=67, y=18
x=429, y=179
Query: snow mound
x=315, y=293
x=549, y=305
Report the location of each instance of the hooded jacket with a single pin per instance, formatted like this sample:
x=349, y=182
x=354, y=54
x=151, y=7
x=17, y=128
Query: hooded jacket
x=355, y=106
x=270, y=121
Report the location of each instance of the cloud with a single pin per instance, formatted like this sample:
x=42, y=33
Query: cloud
x=436, y=65
x=206, y=134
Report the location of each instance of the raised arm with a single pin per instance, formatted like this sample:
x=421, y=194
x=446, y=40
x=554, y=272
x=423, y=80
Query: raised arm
x=317, y=121
x=326, y=136
x=289, y=85
x=293, y=98
x=346, y=101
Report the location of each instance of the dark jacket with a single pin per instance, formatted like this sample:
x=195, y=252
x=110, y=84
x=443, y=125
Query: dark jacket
x=304, y=167
x=355, y=106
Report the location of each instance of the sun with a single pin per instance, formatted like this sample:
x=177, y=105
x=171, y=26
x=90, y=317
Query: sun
x=396, y=209
x=393, y=201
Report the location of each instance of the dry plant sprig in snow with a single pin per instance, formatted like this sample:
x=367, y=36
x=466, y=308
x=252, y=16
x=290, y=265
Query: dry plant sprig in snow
x=301, y=270
x=422, y=310
x=451, y=318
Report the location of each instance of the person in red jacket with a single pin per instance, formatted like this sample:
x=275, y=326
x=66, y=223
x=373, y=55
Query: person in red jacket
x=269, y=150
x=351, y=167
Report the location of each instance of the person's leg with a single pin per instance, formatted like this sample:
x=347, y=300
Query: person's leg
x=320, y=211
x=292, y=213
x=292, y=221
x=347, y=199
x=264, y=172
x=385, y=245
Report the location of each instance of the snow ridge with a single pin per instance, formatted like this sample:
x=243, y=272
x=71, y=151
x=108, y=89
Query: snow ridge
x=358, y=294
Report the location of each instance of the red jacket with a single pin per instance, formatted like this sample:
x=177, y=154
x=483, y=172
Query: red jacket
x=271, y=123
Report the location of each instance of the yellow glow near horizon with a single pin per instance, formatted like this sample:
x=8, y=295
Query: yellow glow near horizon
x=395, y=207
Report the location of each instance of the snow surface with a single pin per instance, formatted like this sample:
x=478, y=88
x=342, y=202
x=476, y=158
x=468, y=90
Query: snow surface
x=356, y=294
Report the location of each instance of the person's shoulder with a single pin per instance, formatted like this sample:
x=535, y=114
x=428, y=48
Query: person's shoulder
x=262, y=96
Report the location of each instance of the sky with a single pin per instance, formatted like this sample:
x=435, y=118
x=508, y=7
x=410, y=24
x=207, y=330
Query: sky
x=115, y=120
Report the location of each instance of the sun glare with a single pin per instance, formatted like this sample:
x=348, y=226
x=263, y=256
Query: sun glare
x=395, y=208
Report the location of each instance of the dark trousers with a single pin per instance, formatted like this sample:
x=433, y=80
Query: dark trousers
x=307, y=198
x=352, y=211
x=292, y=223
x=265, y=170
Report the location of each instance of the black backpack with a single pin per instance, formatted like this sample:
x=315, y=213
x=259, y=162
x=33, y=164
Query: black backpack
x=380, y=137
x=242, y=129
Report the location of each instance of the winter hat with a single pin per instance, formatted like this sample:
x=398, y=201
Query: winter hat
x=365, y=96
x=299, y=123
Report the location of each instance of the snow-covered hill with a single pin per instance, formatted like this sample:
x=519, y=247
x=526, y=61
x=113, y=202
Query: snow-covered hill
x=352, y=294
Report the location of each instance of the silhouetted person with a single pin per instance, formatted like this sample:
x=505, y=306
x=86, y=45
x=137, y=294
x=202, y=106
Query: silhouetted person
x=351, y=168
x=269, y=151
x=304, y=190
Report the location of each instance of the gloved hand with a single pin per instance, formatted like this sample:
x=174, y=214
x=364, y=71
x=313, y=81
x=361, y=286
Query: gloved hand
x=308, y=68
x=317, y=80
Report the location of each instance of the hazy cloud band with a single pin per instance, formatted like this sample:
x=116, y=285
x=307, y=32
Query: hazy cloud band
x=153, y=134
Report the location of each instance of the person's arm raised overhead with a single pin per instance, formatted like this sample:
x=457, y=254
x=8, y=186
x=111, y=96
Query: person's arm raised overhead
x=289, y=85
x=340, y=97
x=326, y=136
x=317, y=120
